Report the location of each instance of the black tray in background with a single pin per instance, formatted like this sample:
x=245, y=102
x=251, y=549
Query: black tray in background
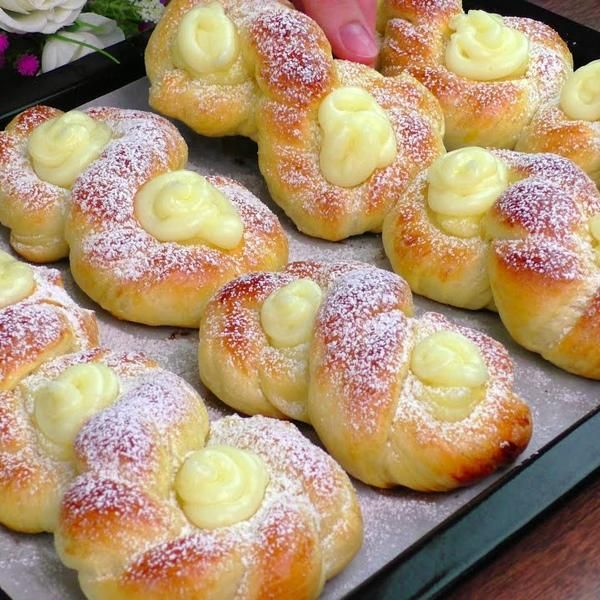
x=461, y=542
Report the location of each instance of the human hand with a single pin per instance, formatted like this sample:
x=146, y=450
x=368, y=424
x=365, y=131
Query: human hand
x=349, y=25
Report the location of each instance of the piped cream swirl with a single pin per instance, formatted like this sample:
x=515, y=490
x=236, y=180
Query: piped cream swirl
x=63, y=405
x=221, y=485
x=580, y=96
x=183, y=206
x=483, y=48
x=463, y=185
x=206, y=41
x=61, y=148
x=288, y=314
x=453, y=373
x=357, y=137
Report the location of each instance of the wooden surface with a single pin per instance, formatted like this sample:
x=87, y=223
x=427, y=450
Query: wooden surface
x=558, y=557
x=582, y=11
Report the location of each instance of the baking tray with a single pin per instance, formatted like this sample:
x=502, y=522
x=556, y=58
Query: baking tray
x=416, y=545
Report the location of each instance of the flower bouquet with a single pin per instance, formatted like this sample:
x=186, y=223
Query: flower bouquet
x=37, y=36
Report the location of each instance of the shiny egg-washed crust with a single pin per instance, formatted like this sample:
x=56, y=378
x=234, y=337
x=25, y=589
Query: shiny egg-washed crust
x=544, y=268
x=122, y=528
x=32, y=480
x=534, y=260
x=359, y=393
x=289, y=71
x=234, y=353
x=282, y=53
x=478, y=113
x=36, y=210
x=42, y=326
x=128, y=271
x=289, y=139
x=552, y=131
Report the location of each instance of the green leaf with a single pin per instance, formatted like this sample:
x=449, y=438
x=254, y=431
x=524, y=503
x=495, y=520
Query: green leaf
x=122, y=11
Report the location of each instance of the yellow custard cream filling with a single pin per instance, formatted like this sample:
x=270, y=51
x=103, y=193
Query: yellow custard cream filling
x=61, y=148
x=357, y=137
x=288, y=314
x=463, y=185
x=580, y=96
x=453, y=372
x=16, y=280
x=206, y=41
x=183, y=206
x=63, y=405
x=221, y=485
x=484, y=49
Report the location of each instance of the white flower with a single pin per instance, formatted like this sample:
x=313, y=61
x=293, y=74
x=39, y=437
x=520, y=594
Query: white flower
x=58, y=52
x=149, y=10
x=38, y=16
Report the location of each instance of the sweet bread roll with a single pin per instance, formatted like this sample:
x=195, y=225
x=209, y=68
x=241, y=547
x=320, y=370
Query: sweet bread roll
x=397, y=400
x=507, y=231
x=41, y=419
x=151, y=245
x=236, y=353
x=257, y=512
x=490, y=73
x=570, y=125
x=42, y=153
x=544, y=266
x=210, y=61
x=38, y=320
x=337, y=164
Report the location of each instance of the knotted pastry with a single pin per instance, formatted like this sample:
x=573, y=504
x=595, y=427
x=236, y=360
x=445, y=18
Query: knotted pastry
x=508, y=231
x=396, y=400
x=38, y=320
x=42, y=153
x=152, y=247
x=337, y=164
x=570, y=125
x=257, y=512
x=210, y=61
x=41, y=418
x=337, y=141
x=490, y=73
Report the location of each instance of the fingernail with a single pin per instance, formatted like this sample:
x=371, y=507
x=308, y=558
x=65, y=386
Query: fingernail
x=357, y=41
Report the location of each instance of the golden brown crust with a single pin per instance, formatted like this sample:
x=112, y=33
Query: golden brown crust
x=552, y=131
x=289, y=140
x=42, y=326
x=124, y=268
x=364, y=403
x=32, y=481
x=131, y=540
x=544, y=270
x=532, y=260
x=225, y=103
x=31, y=208
x=477, y=113
x=234, y=353
x=360, y=396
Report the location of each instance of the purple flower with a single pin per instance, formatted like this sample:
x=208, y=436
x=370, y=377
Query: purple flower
x=145, y=25
x=27, y=65
x=4, y=43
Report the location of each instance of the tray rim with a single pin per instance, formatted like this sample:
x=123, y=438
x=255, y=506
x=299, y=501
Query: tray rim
x=426, y=569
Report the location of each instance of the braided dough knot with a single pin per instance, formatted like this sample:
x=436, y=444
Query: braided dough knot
x=513, y=232
x=395, y=399
x=489, y=73
x=253, y=509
